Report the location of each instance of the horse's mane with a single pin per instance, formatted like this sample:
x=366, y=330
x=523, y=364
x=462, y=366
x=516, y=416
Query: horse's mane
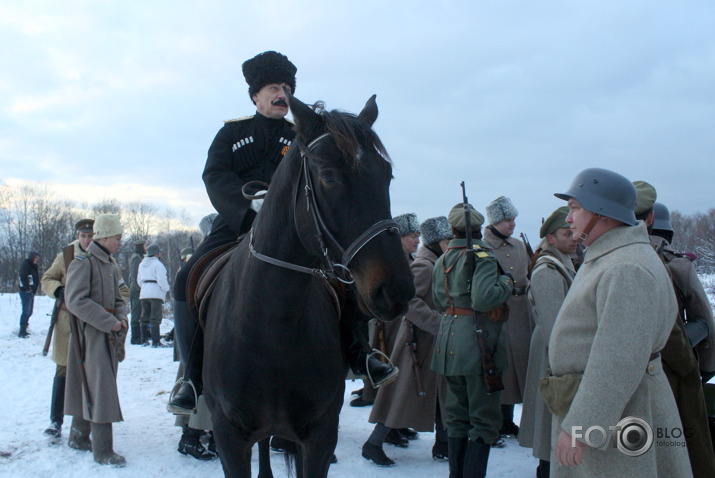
x=350, y=134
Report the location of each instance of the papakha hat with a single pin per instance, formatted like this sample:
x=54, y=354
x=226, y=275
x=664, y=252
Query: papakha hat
x=107, y=225
x=407, y=223
x=458, y=220
x=556, y=220
x=500, y=209
x=84, y=225
x=266, y=68
x=435, y=229
x=645, y=197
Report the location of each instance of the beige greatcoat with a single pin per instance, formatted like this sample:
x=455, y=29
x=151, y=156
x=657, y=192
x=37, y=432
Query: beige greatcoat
x=398, y=404
x=52, y=279
x=619, y=311
x=512, y=256
x=92, y=288
x=550, y=281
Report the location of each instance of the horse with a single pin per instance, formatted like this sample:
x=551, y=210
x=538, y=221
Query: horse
x=322, y=252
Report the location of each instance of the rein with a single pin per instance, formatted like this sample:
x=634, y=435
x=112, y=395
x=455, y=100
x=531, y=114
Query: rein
x=335, y=270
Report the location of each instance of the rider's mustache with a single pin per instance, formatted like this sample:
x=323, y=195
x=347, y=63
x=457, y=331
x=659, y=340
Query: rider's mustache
x=279, y=102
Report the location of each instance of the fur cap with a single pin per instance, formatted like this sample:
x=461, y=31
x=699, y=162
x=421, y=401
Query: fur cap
x=407, y=223
x=266, y=68
x=500, y=209
x=107, y=225
x=435, y=229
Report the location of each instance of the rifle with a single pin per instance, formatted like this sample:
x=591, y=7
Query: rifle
x=53, y=320
x=79, y=350
x=529, y=250
x=492, y=380
x=412, y=345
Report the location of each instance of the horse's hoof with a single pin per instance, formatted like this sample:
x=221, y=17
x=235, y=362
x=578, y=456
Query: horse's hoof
x=395, y=438
x=376, y=455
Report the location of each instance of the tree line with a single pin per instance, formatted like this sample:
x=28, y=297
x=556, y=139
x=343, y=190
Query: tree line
x=34, y=219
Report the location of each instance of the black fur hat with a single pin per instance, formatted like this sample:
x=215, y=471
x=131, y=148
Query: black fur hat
x=266, y=68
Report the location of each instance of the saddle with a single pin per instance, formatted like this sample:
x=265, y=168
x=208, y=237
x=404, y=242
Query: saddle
x=203, y=275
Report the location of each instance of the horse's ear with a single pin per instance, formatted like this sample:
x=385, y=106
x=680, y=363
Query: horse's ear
x=369, y=112
x=306, y=120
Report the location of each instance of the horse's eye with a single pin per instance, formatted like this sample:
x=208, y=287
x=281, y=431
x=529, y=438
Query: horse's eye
x=328, y=177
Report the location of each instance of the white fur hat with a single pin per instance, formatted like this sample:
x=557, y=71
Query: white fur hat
x=500, y=209
x=407, y=223
x=107, y=225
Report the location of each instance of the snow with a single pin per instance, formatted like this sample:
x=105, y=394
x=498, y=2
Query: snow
x=148, y=438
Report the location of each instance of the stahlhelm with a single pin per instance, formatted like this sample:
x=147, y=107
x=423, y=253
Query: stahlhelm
x=661, y=218
x=605, y=193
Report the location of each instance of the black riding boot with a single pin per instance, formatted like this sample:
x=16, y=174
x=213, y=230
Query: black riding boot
x=57, y=407
x=136, y=338
x=190, y=444
x=476, y=459
x=457, y=451
x=190, y=342
x=358, y=349
x=156, y=337
x=146, y=335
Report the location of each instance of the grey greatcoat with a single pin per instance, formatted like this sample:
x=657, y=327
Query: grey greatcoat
x=551, y=278
x=512, y=256
x=619, y=311
x=398, y=404
x=93, y=296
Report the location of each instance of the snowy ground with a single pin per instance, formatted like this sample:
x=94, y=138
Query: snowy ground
x=148, y=437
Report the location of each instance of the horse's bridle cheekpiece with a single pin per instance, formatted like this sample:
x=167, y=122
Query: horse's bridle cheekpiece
x=335, y=270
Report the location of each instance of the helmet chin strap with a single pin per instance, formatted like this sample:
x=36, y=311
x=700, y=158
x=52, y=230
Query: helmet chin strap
x=591, y=223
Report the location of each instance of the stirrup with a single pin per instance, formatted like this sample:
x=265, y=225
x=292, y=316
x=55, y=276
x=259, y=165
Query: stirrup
x=177, y=410
x=389, y=379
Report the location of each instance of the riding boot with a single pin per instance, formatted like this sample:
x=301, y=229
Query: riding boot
x=457, y=449
x=79, y=434
x=136, y=335
x=102, y=445
x=23, y=334
x=476, y=459
x=146, y=335
x=156, y=337
x=190, y=444
x=57, y=407
x=190, y=342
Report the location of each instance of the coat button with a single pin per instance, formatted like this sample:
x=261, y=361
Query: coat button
x=451, y=353
x=511, y=268
x=651, y=368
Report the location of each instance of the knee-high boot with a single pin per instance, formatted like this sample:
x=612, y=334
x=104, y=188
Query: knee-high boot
x=457, y=449
x=190, y=342
x=103, y=445
x=476, y=459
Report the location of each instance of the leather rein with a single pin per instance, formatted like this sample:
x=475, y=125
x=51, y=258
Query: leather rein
x=335, y=270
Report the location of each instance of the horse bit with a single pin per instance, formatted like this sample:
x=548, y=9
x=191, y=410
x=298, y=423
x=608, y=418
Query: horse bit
x=335, y=270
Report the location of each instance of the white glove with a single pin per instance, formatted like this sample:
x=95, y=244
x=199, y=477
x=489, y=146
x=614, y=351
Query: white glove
x=256, y=204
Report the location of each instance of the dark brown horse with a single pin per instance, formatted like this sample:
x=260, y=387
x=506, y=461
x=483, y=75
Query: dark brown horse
x=322, y=251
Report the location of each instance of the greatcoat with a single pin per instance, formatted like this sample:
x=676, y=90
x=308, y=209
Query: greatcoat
x=551, y=278
x=56, y=277
x=617, y=315
x=398, y=405
x=513, y=258
x=93, y=296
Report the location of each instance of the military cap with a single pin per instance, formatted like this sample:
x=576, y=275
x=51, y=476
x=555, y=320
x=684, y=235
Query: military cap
x=266, y=68
x=107, y=225
x=645, y=197
x=500, y=209
x=153, y=250
x=407, y=223
x=139, y=242
x=84, y=225
x=457, y=220
x=556, y=220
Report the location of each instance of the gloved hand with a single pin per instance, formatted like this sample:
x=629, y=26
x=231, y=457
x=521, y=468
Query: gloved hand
x=256, y=204
x=60, y=292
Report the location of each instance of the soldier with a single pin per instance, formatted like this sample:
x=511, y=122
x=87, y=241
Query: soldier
x=606, y=342
x=154, y=287
x=136, y=305
x=692, y=326
x=412, y=401
x=471, y=301
x=29, y=282
x=514, y=259
x=99, y=314
x=551, y=278
x=53, y=283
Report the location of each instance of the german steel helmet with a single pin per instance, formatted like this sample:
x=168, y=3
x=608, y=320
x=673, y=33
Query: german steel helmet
x=661, y=217
x=605, y=193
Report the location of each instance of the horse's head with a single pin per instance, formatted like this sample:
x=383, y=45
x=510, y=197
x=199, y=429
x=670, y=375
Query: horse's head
x=342, y=208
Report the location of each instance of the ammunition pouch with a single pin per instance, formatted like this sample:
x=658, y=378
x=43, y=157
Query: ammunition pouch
x=558, y=392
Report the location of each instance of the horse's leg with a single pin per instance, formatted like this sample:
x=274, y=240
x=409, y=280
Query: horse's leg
x=264, y=459
x=317, y=451
x=235, y=454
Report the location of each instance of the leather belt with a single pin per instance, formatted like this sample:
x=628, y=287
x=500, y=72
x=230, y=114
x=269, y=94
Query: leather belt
x=149, y=282
x=458, y=311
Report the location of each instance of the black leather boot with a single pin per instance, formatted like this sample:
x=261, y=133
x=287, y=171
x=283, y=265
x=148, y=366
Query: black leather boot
x=156, y=337
x=476, y=459
x=544, y=469
x=190, y=342
x=145, y=334
x=376, y=454
x=57, y=407
x=136, y=337
x=457, y=451
x=190, y=444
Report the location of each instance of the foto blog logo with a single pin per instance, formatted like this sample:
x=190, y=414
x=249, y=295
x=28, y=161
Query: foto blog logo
x=633, y=436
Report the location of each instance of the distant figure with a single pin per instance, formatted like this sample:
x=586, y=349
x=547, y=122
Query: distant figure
x=154, y=287
x=134, y=287
x=29, y=281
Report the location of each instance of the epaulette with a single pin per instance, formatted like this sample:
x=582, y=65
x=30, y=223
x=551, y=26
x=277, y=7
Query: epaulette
x=242, y=118
x=481, y=252
x=82, y=257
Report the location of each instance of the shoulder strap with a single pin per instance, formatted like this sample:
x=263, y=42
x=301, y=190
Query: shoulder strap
x=548, y=260
x=68, y=255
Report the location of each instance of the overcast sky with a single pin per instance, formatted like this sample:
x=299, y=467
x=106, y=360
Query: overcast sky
x=121, y=100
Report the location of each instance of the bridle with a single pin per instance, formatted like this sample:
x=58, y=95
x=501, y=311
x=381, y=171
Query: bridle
x=335, y=269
